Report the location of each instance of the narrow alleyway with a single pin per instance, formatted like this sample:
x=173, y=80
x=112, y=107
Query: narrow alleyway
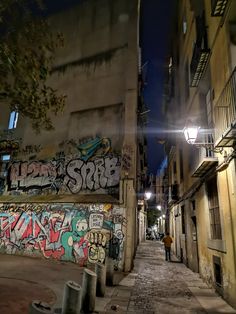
x=153, y=287
x=159, y=287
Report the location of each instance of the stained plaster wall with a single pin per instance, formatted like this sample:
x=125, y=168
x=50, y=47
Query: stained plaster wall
x=97, y=70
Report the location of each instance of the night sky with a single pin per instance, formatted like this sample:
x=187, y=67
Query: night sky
x=154, y=32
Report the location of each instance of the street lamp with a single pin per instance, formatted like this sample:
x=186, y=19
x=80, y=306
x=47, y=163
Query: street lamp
x=159, y=207
x=148, y=195
x=191, y=133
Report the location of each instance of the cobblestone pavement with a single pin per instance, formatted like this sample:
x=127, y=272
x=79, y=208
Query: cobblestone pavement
x=159, y=287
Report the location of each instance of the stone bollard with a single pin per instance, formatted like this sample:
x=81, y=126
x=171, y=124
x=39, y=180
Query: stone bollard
x=109, y=271
x=39, y=307
x=89, y=290
x=100, y=270
x=71, y=298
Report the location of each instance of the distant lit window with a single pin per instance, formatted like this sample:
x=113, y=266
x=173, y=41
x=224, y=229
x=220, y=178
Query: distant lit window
x=13, y=120
x=6, y=157
x=184, y=24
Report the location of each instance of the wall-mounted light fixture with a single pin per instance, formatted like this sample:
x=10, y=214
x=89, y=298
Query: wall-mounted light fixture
x=191, y=134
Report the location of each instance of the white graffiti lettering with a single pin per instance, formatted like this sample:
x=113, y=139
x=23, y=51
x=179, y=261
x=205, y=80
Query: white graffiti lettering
x=75, y=174
x=93, y=175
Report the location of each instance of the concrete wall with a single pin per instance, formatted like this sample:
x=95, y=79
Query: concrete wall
x=86, y=153
x=67, y=232
x=97, y=70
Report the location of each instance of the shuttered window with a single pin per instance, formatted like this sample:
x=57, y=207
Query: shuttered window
x=213, y=201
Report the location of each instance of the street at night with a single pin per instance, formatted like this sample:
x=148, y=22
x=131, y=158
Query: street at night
x=117, y=156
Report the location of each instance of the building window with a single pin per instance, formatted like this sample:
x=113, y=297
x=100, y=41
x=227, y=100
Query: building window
x=140, y=148
x=184, y=24
x=6, y=157
x=3, y=165
x=217, y=271
x=181, y=164
x=213, y=201
x=174, y=167
x=186, y=78
x=209, y=107
x=13, y=120
x=183, y=219
x=193, y=205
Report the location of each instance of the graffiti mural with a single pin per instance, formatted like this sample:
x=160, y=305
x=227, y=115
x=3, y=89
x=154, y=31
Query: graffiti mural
x=127, y=153
x=66, y=232
x=91, y=168
x=71, y=176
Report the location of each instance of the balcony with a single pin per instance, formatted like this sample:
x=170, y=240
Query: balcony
x=198, y=64
x=173, y=195
x=218, y=7
x=225, y=114
x=201, y=52
x=205, y=159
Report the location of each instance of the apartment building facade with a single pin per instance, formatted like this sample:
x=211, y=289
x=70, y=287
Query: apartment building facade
x=70, y=194
x=202, y=92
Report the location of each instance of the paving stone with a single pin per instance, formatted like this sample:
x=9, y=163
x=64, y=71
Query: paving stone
x=159, y=287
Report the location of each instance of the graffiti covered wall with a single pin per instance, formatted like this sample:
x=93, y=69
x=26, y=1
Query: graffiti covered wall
x=87, y=167
x=66, y=232
x=71, y=176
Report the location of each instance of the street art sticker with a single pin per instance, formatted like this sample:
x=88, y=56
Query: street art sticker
x=96, y=221
x=127, y=153
x=67, y=232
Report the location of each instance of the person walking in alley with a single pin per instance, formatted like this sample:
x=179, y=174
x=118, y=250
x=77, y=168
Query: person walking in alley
x=167, y=240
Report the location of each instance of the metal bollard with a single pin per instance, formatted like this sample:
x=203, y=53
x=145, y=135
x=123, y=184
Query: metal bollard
x=100, y=270
x=89, y=290
x=71, y=298
x=109, y=271
x=39, y=307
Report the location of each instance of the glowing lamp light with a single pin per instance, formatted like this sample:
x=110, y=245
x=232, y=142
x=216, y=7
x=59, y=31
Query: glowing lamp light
x=159, y=207
x=191, y=134
x=148, y=195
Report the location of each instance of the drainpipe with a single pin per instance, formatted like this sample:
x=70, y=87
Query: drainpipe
x=231, y=222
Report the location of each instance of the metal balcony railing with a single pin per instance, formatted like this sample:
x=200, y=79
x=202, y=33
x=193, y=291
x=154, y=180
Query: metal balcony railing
x=225, y=114
x=198, y=64
x=205, y=159
x=201, y=52
x=218, y=7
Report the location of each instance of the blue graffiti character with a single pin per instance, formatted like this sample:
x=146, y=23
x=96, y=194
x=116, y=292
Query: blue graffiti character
x=69, y=239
